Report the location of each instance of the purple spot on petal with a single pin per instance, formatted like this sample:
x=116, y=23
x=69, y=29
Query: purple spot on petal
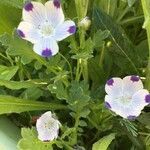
x=147, y=98
x=107, y=105
x=72, y=29
x=57, y=3
x=47, y=53
x=110, y=82
x=134, y=78
x=131, y=117
x=20, y=33
x=28, y=6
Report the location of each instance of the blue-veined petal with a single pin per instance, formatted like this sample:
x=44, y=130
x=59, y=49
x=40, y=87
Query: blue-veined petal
x=34, y=13
x=54, y=12
x=64, y=30
x=131, y=84
x=114, y=86
x=46, y=47
x=27, y=31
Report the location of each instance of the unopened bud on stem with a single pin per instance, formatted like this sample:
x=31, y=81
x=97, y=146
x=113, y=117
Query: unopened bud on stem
x=85, y=23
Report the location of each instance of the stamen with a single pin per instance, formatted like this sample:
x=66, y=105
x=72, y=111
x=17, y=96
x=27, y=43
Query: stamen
x=46, y=30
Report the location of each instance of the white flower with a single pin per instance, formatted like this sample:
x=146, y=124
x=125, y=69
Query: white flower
x=126, y=97
x=44, y=26
x=48, y=127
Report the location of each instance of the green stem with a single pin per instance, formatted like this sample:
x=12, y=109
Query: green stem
x=7, y=58
x=94, y=124
x=146, y=10
x=78, y=70
x=44, y=63
x=143, y=133
x=132, y=20
x=108, y=7
x=68, y=64
x=85, y=70
x=102, y=56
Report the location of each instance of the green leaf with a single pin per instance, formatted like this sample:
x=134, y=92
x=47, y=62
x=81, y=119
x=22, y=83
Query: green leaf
x=79, y=97
x=30, y=141
x=16, y=85
x=131, y=2
x=23, y=49
x=37, y=65
x=32, y=93
x=9, y=104
x=82, y=123
x=59, y=89
x=99, y=37
x=86, y=52
x=108, y=6
x=131, y=127
x=145, y=119
x=81, y=8
x=103, y=143
x=14, y=3
x=6, y=73
x=9, y=134
x=122, y=49
x=10, y=17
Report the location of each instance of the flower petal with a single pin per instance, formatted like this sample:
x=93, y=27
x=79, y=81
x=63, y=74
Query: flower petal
x=34, y=13
x=116, y=106
x=27, y=31
x=131, y=84
x=130, y=109
x=54, y=12
x=47, y=127
x=46, y=47
x=113, y=87
x=112, y=103
x=139, y=99
x=64, y=30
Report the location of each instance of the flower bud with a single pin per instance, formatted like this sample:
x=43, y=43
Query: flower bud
x=85, y=23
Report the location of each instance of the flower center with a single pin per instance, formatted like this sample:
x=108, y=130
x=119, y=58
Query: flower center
x=124, y=100
x=46, y=30
x=49, y=125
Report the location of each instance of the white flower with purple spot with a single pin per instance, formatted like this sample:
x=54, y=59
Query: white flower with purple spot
x=48, y=127
x=44, y=26
x=126, y=97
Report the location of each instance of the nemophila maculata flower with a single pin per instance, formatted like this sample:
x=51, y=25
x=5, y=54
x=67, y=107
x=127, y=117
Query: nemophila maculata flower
x=48, y=127
x=44, y=26
x=126, y=97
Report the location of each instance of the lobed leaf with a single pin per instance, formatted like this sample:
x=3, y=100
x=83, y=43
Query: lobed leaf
x=30, y=141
